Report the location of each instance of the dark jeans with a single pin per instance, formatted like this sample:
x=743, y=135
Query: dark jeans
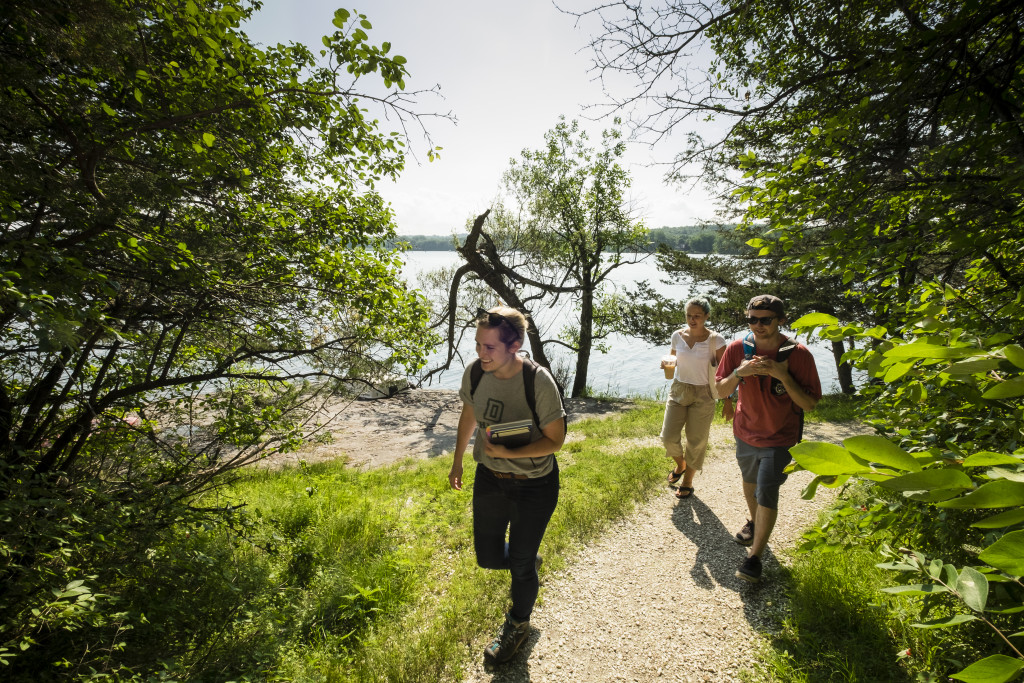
x=522, y=507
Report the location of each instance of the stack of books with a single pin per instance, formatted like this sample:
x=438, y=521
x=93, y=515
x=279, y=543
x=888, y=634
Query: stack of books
x=510, y=434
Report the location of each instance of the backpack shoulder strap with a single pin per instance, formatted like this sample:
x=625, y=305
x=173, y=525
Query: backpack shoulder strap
x=476, y=373
x=530, y=387
x=530, y=369
x=787, y=347
x=749, y=347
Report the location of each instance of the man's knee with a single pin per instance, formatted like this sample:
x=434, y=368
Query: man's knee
x=768, y=496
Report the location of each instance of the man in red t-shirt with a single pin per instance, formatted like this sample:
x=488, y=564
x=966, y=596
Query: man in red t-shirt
x=768, y=419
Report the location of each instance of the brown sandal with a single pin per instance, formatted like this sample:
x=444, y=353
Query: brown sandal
x=674, y=476
x=684, y=492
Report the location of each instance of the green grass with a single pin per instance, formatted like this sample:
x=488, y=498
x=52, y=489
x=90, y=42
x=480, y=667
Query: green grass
x=371, y=576
x=835, y=408
x=344, y=575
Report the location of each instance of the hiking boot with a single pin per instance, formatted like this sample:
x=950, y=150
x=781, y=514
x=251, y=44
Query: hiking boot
x=750, y=570
x=508, y=641
x=745, y=536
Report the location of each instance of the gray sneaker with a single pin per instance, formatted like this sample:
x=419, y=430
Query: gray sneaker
x=504, y=647
x=745, y=536
x=750, y=570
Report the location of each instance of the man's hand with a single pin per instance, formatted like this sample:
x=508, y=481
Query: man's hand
x=774, y=368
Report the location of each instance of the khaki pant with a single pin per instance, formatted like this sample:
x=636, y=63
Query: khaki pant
x=690, y=409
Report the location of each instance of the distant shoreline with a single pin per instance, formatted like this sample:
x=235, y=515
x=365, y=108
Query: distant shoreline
x=692, y=239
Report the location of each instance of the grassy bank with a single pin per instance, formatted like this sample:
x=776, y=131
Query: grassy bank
x=370, y=576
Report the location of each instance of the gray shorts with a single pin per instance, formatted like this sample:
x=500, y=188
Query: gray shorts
x=764, y=467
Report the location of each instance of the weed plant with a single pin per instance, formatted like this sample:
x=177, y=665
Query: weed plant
x=841, y=627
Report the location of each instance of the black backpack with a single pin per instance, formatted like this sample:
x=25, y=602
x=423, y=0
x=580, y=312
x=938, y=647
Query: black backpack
x=476, y=373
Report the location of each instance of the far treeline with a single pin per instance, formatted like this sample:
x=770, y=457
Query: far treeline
x=690, y=239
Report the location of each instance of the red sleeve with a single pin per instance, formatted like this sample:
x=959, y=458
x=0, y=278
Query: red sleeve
x=730, y=360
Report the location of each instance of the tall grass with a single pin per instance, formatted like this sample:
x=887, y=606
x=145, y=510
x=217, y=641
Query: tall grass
x=836, y=408
x=347, y=575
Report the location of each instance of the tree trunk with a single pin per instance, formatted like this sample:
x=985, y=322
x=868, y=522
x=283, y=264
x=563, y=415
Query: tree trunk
x=843, y=370
x=489, y=270
x=586, y=341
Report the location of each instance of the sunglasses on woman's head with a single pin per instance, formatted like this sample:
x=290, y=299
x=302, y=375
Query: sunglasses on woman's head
x=755, y=319
x=493, y=319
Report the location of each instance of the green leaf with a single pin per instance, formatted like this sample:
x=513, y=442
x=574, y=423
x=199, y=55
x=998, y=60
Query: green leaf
x=946, y=622
x=810, y=489
x=929, y=480
x=973, y=367
x=1003, y=473
x=995, y=494
x=1011, y=388
x=896, y=371
x=897, y=566
x=917, y=589
x=208, y=139
x=108, y=110
x=934, y=496
x=878, y=449
x=1001, y=520
x=993, y=669
x=1015, y=354
x=815, y=320
x=922, y=350
x=952, y=577
x=989, y=458
x=826, y=459
x=1006, y=554
x=973, y=588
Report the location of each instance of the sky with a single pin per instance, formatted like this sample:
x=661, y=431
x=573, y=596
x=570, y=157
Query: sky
x=506, y=71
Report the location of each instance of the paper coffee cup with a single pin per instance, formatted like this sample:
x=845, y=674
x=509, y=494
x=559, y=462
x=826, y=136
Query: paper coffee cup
x=669, y=365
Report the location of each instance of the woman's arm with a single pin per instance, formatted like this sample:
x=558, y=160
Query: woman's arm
x=467, y=424
x=551, y=442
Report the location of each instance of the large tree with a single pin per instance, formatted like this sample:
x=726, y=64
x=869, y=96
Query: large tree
x=189, y=237
x=566, y=225
x=563, y=225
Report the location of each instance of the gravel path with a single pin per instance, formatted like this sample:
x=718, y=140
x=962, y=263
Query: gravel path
x=655, y=599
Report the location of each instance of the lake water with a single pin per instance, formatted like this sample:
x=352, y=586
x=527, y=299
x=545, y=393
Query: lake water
x=631, y=365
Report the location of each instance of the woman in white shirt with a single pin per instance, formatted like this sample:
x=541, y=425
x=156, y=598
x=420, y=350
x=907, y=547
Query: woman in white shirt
x=690, y=407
